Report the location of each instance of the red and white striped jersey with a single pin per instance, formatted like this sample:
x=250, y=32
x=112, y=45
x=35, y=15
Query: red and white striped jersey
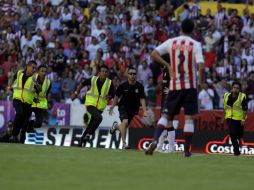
x=185, y=53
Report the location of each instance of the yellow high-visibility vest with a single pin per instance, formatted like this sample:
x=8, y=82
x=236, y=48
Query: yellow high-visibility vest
x=93, y=98
x=42, y=96
x=235, y=112
x=26, y=94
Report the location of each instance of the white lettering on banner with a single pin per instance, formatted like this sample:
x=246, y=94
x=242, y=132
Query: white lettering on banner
x=145, y=142
x=2, y=120
x=60, y=113
x=225, y=147
x=70, y=137
x=61, y=117
x=230, y=150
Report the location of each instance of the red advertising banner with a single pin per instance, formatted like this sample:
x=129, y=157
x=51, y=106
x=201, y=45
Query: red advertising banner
x=205, y=120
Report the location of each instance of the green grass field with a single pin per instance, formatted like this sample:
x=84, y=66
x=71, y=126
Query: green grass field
x=25, y=167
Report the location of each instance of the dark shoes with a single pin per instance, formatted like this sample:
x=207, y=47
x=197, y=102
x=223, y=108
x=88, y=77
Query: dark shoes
x=151, y=148
x=186, y=154
x=126, y=147
x=237, y=153
x=84, y=140
x=113, y=128
x=14, y=139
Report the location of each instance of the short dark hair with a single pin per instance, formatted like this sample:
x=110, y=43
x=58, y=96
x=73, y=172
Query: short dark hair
x=32, y=62
x=42, y=66
x=131, y=68
x=103, y=67
x=237, y=83
x=187, y=26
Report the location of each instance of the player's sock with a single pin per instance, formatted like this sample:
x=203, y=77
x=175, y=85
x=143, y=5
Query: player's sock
x=161, y=140
x=188, y=133
x=162, y=123
x=171, y=139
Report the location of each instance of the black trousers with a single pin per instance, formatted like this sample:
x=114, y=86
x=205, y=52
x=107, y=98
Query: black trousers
x=95, y=120
x=23, y=113
x=40, y=115
x=236, y=133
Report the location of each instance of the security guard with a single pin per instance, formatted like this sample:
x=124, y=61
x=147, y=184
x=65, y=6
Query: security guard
x=235, y=108
x=40, y=106
x=23, y=87
x=101, y=90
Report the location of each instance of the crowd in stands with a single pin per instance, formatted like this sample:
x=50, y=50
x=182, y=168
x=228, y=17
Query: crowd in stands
x=75, y=37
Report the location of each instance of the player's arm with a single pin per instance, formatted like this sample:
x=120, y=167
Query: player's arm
x=143, y=105
x=143, y=101
x=157, y=56
x=199, y=58
x=201, y=73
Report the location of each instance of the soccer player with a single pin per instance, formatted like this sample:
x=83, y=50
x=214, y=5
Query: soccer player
x=235, y=105
x=185, y=54
x=101, y=90
x=131, y=94
x=168, y=133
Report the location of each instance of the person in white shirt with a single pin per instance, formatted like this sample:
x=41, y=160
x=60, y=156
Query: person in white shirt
x=251, y=103
x=41, y=22
x=66, y=15
x=92, y=48
x=205, y=97
x=98, y=30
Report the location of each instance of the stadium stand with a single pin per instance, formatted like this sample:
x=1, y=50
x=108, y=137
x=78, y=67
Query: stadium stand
x=75, y=37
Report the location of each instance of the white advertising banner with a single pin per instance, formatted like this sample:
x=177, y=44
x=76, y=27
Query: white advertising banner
x=62, y=136
x=77, y=112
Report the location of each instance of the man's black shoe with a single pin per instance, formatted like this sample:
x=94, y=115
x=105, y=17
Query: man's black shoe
x=187, y=154
x=237, y=154
x=13, y=139
x=126, y=147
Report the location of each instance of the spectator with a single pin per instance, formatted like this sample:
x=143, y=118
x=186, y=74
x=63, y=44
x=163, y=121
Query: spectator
x=56, y=89
x=3, y=79
x=144, y=73
x=73, y=100
x=150, y=91
x=250, y=84
x=92, y=48
x=68, y=85
x=205, y=97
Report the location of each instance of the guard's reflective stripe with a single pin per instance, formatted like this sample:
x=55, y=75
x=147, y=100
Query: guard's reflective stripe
x=235, y=111
x=24, y=89
x=46, y=89
x=239, y=102
x=93, y=85
x=94, y=79
x=18, y=78
x=106, y=89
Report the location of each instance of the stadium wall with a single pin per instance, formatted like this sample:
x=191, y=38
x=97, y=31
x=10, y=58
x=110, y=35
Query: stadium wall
x=210, y=135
